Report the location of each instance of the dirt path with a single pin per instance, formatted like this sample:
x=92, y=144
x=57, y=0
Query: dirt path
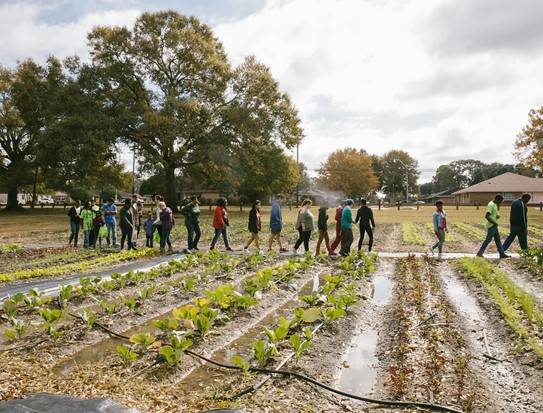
x=523, y=278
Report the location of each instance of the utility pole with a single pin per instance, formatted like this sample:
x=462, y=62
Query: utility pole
x=298, y=165
x=134, y=170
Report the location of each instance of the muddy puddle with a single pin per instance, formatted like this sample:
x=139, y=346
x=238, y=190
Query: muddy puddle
x=462, y=299
x=359, y=364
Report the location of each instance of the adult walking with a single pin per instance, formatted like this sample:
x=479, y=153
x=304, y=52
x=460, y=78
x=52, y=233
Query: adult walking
x=364, y=215
x=95, y=209
x=322, y=226
x=347, y=228
x=439, y=219
x=255, y=226
x=127, y=224
x=337, y=240
x=519, y=223
x=110, y=214
x=157, y=224
x=492, y=223
x=191, y=212
x=305, y=225
x=137, y=220
x=220, y=224
x=87, y=218
x=276, y=224
x=166, y=220
x=75, y=223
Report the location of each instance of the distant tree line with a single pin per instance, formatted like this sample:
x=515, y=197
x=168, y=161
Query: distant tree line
x=166, y=89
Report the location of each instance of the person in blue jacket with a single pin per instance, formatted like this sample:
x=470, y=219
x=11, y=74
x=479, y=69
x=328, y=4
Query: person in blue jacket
x=347, y=228
x=276, y=224
x=519, y=223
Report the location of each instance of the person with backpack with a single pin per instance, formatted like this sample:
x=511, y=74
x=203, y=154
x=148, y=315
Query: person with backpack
x=127, y=225
x=110, y=213
x=305, y=225
x=518, y=220
x=492, y=218
x=75, y=223
x=337, y=240
x=276, y=224
x=191, y=212
x=166, y=221
x=364, y=215
x=322, y=225
x=255, y=226
x=439, y=219
x=220, y=224
x=87, y=217
x=347, y=228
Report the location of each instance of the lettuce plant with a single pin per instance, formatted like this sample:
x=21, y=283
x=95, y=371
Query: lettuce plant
x=126, y=354
x=142, y=341
x=239, y=361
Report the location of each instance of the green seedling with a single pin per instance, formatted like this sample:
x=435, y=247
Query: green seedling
x=170, y=355
x=50, y=318
x=187, y=312
x=86, y=286
x=142, y=341
x=243, y=301
x=332, y=314
x=34, y=298
x=10, y=308
x=263, y=352
x=145, y=293
x=188, y=284
x=312, y=299
x=19, y=298
x=66, y=293
x=299, y=344
x=180, y=343
x=309, y=315
x=279, y=333
x=166, y=324
x=109, y=308
x=131, y=303
x=241, y=363
x=308, y=333
x=119, y=279
x=221, y=296
x=89, y=318
x=126, y=354
x=19, y=326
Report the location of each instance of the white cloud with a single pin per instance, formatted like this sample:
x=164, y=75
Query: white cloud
x=363, y=74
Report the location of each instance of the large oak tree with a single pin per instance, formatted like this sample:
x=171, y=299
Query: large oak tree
x=184, y=105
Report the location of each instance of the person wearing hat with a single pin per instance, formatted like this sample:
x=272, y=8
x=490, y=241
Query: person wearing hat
x=191, y=212
x=519, y=223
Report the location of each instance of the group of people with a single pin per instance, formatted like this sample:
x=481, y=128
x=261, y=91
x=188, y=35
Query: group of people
x=99, y=223
x=518, y=221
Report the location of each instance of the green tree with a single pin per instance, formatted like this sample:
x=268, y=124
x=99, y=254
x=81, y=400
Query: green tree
x=183, y=103
x=529, y=143
x=349, y=171
x=396, y=165
x=427, y=188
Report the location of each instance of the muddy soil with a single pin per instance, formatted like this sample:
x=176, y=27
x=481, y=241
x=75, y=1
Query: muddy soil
x=525, y=277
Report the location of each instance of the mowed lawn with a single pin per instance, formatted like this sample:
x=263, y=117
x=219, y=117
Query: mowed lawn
x=43, y=226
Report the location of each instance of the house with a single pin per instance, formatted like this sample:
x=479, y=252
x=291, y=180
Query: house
x=446, y=196
x=510, y=185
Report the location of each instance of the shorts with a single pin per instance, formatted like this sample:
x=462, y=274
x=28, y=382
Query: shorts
x=276, y=231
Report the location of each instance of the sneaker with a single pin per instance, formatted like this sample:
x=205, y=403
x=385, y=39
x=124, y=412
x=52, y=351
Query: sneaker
x=430, y=251
x=333, y=254
x=504, y=256
x=229, y=249
x=295, y=251
x=283, y=250
x=246, y=250
x=187, y=251
x=479, y=255
x=439, y=256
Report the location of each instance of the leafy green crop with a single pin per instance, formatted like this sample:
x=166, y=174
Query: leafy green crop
x=126, y=354
x=142, y=341
x=109, y=308
x=166, y=324
x=263, y=351
x=241, y=363
x=10, y=308
x=332, y=313
x=89, y=318
x=299, y=344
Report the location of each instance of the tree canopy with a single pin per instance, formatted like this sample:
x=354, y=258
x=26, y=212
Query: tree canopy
x=529, y=144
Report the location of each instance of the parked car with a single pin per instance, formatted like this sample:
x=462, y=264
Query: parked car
x=46, y=200
x=419, y=202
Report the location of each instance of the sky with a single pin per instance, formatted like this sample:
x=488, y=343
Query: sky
x=441, y=79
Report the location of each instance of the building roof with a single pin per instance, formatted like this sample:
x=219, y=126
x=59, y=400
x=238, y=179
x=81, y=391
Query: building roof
x=447, y=192
x=507, y=182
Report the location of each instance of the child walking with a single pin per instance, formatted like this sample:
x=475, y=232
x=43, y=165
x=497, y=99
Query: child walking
x=439, y=219
x=322, y=225
x=149, y=229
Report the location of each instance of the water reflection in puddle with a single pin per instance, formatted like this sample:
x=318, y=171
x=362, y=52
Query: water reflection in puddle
x=359, y=374
x=462, y=299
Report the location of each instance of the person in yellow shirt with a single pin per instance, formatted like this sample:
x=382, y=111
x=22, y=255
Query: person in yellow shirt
x=492, y=217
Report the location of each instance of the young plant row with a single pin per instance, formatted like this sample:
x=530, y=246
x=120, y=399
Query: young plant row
x=77, y=267
x=518, y=307
x=411, y=234
x=10, y=248
x=470, y=230
x=194, y=321
x=320, y=307
x=37, y=302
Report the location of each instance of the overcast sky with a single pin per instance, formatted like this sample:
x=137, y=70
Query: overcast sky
x=442, y=79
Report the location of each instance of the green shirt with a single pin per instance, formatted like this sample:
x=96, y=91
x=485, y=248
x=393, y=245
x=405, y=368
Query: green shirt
x=87, y=216
x=492, y=210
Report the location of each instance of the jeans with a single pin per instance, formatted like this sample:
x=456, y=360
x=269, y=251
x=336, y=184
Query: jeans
x=492, y=233
x=165, y=238
x=303, y=237
x=74, y=232
x=194, y=234
x=440, y=240
x=126, y=236
x=149, y=241
x=87, y=238
x=337, y=240
x=218, y=233
x=521, y=233
x=363, y=230
x=111, y=232
x=346, y=241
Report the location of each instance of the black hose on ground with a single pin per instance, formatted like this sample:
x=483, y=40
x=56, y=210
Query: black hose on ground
x=395, y=403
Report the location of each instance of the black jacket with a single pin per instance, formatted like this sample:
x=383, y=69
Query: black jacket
x=322, y=223
x=255, y=224
x=365, y=216
x=519, y=214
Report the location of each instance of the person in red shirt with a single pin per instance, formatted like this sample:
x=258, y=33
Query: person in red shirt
x=337, y=240
x=220, y=223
